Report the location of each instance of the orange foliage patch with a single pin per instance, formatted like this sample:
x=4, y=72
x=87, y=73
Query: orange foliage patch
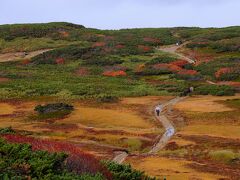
x=229, y=83
x=170, y=67
x=59, y=61
x=4, y=79
x=140, y=68
x=179, y=63
x=144, y=48
x=115, y=73
x=64, y=33
x=25, y=62
x=82, y=72
x=148, y=39
x=187, y=72
x=99, y=44
x=120, y=46
x=222, y=71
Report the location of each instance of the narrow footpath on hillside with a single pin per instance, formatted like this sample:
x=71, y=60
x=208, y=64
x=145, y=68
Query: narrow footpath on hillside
x=173, y=50
x=168, y=126
x=15, y=56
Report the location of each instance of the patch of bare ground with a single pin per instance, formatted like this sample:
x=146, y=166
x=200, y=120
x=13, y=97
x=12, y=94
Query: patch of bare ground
x=20, y=55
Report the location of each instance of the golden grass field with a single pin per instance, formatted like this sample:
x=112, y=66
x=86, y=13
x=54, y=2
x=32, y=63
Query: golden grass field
x=173, y=169
x=130, y=124
x=211, y=125
x=126, y=124
x=207, y=115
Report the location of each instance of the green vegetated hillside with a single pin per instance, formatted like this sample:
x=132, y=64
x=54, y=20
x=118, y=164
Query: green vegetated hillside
x=88, y=63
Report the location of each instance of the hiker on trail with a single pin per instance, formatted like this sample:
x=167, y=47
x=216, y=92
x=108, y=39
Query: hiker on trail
x=158, y=110
x=191, y=89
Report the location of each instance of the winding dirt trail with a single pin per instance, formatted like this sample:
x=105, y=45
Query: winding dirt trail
x=173, y=50
x=170, y=131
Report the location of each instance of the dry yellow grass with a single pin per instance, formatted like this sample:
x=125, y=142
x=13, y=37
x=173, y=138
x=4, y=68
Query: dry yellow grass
x=175, y=169
x=6, y=109
x=182, y=142
x=107, y=118
x=204, y=104
x=207, y=115
x=227, y=131
x=144, y=100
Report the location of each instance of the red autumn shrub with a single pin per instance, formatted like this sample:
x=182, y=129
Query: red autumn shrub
x=82, y=71
x=99, y=44
x=222, y=71
x=170, y=67
x=107, y=49
x=25, y=62
x=187, y=72
x=64, y=33
x=230, y=83
x=144, y=48
x=59, y=61
x=77, y=161
x=115, y=68
x=179, y=63
x=107, y=38
x=115, y=73
x=174, y=68
x=152, y=40
x=120, y=46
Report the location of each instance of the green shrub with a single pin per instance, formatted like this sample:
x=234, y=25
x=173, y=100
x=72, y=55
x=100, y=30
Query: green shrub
x=125, y=172
x=52, y=111
x=49, y=108
x=225, y=156
x=18, y=161
x=107, y=98
x=215, y=90
x=104, y=61
x=7, y=130
x=161, y=59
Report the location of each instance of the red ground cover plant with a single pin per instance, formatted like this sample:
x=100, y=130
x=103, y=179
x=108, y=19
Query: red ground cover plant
x=115, y=68
x=4, y=79
x=82, y=71
x=179, y=63
x=25, y=62
x=107, y=38
x=77, y=161
x=230, y=83
x=152, y=40
x=99, y=44
x=222, y=71
x=120, y=46
x=107, y=49
x=170, y=67
x=64, y=33
x=144, y=48
x=115, y=73
x=187, y=72
x=60, y=61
